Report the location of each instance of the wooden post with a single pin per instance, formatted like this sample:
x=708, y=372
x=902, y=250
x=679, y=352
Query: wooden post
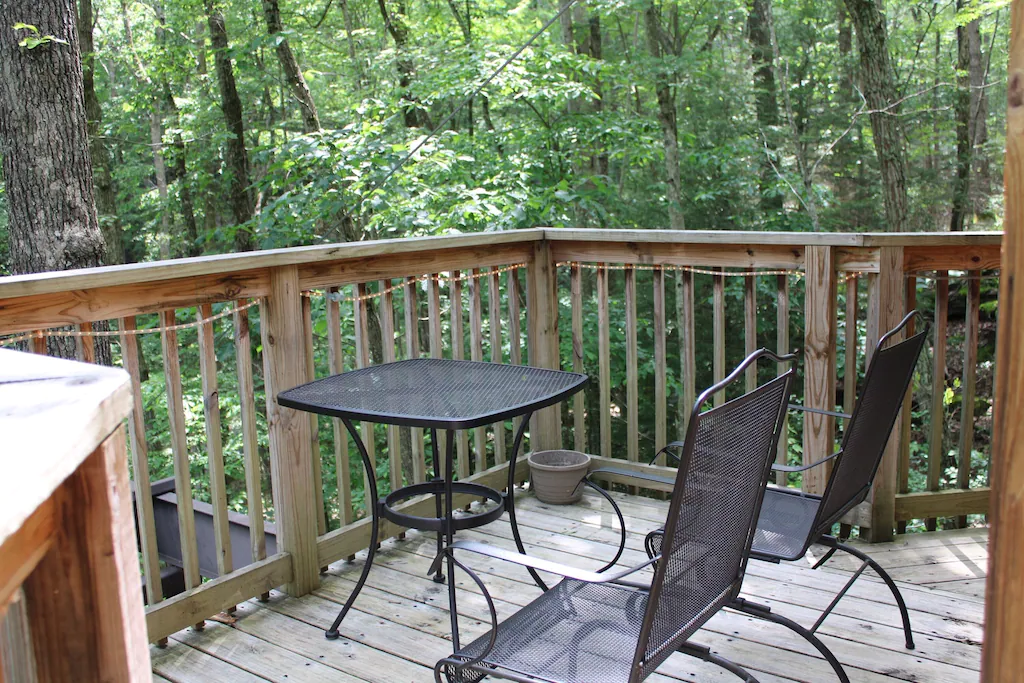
x=288, y=431
x=903, y=470
x=782, y=348
x=632, y=383
x=84, y=603
x=938, y=410
x=819, y=362
x=718, y=337
x=604, y=367
x=885, y=311
x=660, y=366
x=1003, y=653
x=963, y=475
x=579, y=435
x=542, y=331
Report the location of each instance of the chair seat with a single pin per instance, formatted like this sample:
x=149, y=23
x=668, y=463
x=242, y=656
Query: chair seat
x=574, y=633
x=784, y=524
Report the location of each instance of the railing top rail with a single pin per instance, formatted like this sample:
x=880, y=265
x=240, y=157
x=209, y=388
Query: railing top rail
x=137, y=273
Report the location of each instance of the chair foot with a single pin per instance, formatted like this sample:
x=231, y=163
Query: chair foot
x=704, y=653
x=764, y=612
x=904, y=613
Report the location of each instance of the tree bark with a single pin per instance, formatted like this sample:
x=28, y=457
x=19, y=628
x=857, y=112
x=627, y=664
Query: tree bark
x=759, y=22
x=981, y=181
x=103, y=181
x=290, y=66
x=879, y=85
x=236, y=158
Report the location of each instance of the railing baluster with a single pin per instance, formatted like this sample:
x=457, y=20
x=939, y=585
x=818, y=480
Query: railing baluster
x=145, y=522
x=85, y=347
x=387, y=334
x=819, y=362
x=782, y=348
x=750, y=328
x=250, y=443
x=718, y=323
x=515, y=330
x=476, y=352
x=687, y=348
x=436, y=351
x=963, y=476
x=660, y=362
x=604, y=361
x=214, y=442
x=936, y=449
x=632, y=389
x=851, y=347
x=179, y=449
x=579, y=434
x=903, y=474
x=458, y=353
x=336, y=361
x=314, y=419
x=362, y=361
x=412, y=350
x=494, y=304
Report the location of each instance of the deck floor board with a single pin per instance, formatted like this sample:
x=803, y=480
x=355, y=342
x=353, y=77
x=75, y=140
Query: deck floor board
x=400, y=625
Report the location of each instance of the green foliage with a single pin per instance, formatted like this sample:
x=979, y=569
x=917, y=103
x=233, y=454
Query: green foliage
x=34, y=39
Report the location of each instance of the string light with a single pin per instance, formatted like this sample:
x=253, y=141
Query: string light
x=686, y=269
x=66, y=333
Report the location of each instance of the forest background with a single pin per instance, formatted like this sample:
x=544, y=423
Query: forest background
x=218, y=126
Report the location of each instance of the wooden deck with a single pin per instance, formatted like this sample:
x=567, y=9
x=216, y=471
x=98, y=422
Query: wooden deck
x=399, y=626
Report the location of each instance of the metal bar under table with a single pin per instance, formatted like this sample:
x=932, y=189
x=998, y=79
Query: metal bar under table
x=435, y=394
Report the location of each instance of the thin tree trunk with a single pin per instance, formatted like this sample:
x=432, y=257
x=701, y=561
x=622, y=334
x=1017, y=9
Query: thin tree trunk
x=290, y=66
x=666, y=119
x=237, y=158
x=879, y=85
x=188, y=213
x=981, y=181
x=413, y=114
x=106, y=194
x=759, y=23
x=962, y=110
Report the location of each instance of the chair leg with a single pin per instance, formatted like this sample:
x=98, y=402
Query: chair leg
x=704, y=653
x=765, y=612
x=907, y=632
x=618, y=513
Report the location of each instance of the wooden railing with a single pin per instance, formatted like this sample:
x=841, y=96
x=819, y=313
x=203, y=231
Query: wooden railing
x=321, y=310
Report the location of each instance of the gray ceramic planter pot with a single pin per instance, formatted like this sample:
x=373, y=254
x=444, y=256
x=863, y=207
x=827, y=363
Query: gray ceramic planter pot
x=555, y=475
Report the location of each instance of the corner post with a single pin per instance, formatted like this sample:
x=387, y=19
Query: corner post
x=820, y=362
x=291, y=453
x=542, y=335
x=1003, y=654
x=886, y=306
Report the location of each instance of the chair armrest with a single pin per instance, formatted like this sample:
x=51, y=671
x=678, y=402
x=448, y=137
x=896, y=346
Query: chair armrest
x=667, y=450
x=801, y=468
x=818, y=411
x=538, y=563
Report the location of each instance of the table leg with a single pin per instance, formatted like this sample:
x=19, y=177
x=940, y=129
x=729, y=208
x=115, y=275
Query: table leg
x=510, y=496
x=439, y=576
x=374, y=509
x=450, y=534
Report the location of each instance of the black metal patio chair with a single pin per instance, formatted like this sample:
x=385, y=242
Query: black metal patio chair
x=791, y=521
x=620, y=625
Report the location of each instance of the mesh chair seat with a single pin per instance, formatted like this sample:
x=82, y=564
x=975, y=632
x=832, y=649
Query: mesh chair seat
x=576, y=632
x=784, y=525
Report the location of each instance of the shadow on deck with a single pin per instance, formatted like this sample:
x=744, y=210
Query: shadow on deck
x=400, y=627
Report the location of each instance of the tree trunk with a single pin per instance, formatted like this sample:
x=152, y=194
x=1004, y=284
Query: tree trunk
x=103, y=181
x=290, y=66
x=879, y=86
x=667, y=120
x=44, y=143
x=759, y=23
x=981, y=181
x=188, y=213
x=412, y=113
x=237, y=158
x=962, y=109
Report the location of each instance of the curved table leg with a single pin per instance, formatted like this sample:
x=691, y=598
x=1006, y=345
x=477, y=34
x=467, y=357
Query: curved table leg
x=374, y=510
x=510, y=496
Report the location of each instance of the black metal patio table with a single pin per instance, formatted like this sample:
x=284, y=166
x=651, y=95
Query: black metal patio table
x=433, y=393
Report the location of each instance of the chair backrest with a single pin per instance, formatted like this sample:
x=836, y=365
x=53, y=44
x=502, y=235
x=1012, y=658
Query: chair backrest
x=885, y=383
x=723, y=472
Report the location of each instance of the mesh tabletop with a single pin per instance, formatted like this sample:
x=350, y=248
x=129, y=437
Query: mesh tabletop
x=434, y=392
